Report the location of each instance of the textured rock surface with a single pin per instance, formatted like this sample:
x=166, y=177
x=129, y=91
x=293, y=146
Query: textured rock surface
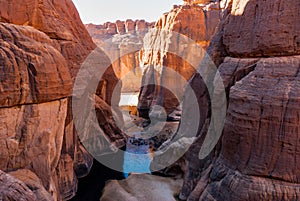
x=43, y=44
x=29, y=140
x=33, y=183
x=260, y=150
x=32, y=70
x=14, y=189
x=59, y=20
x=265, y=29
x=105, y=31
x=257, y=156
x=142, y=188
x=122, y=41
x=160, y=57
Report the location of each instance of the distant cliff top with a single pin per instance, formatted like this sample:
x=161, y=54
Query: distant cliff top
x=197, y=1
x=120, y=27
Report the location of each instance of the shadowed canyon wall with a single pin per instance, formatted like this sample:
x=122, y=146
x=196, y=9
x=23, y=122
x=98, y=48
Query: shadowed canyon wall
x=42, y=46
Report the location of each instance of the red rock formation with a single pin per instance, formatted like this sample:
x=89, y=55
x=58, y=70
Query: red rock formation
x=33, y=183
x=258, y=154
x=13, y=189
x=59, y=20
x=158, y=55
x=123, y=46
x=100, y=33
x=27, y=56
x=43, y=44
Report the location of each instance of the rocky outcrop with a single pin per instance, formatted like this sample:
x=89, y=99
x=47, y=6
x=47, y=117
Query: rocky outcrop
x=105, y=31
x=142, y=188
x=168, y=50
x=30, y=140
x=29, y=189
x=43, y=44
x=122, y=41
x=59, y=20
x=191, y=2
x=270, y=29
x=33, y=70
x=33, y=183
x=257, y=156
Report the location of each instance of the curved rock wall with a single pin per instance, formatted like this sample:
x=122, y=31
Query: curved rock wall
x=191, y=21
x=42, y=46
x=257, y=156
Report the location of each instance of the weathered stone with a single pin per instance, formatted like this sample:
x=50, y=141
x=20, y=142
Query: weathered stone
x=43, y=44
x=33, y=183
x=120, y=27
x=13, y=189
x=59, y=20
x=171, y=49
x=130, y=26
x=257, y=159
x=142, y=188
x=123, y=49
x=265, y=28
x=29, y=140
x=32, y=70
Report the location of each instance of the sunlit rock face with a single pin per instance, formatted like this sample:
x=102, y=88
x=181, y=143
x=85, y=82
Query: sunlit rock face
x=43, y=44
x=122, y=41
x=195, y=2
x=163, y=53
x=257, y=157
x=59, y=20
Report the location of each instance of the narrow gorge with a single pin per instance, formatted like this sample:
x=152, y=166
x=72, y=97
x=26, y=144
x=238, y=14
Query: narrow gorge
x=203, y=104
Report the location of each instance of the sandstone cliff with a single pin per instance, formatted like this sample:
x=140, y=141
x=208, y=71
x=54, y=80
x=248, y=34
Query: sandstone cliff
x=122, y=41
x=42, y=46
x=258, y=47
x=165, y=51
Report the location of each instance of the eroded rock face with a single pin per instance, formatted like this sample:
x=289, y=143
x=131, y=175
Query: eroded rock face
x=43, y=44
x=59, y=20
x=259, y=144
x=28, y=139
x=261, y=33
x=257, y=156
x=33, y=183
x=32, y=69
x=142, y=188
x=13, y=189
x=164, y=53
x=122, y=41
x=105, y=31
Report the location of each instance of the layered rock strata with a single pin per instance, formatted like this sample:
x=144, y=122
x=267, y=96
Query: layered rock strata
x=257, y=156
x=122, y=41
x=43, y=44
x=168, y=51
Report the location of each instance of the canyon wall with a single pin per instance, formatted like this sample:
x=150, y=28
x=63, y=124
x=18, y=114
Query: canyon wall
x=121, y=41
x=166, y=52
x=257, y=158
x=42, y=47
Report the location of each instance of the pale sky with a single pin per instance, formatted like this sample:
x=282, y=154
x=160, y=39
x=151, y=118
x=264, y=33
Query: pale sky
x=100, y=11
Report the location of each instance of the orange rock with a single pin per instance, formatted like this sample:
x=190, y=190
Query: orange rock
x=32, y=69
x=123, y=49
x=43, y=44
x=191, y=22
x=257, y=157
x=59, y=20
